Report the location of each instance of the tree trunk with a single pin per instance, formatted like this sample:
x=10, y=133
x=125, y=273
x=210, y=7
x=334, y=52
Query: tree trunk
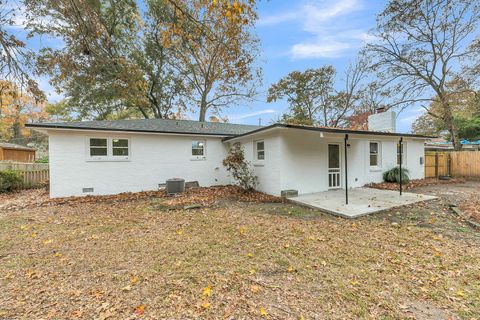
x=452, y=128
x=203, y=108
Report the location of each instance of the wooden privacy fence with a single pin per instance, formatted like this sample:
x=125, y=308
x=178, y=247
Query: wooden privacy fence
x=34, y=174
x=464, y=164
x=436, y=164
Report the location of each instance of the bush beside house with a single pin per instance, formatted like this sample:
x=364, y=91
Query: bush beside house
x=393, y=175
x=10, y=181
x=240, y=168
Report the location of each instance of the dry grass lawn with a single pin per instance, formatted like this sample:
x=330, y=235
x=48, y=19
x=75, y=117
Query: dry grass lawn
x=234, y=260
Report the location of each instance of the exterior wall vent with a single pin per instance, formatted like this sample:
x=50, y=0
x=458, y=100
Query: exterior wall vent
x=87, y=190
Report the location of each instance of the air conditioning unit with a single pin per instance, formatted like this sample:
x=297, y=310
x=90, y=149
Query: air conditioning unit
x=175, y=185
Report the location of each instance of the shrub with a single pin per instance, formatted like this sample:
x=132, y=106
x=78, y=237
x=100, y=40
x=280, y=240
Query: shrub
x=42, y=160
x=240, y=168
x=10, y=181
x=393, y=175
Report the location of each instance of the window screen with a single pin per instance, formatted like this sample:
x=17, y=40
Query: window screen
x=98, y=147
x=374, y=151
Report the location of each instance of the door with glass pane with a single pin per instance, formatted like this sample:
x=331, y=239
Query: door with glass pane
x=334, y=173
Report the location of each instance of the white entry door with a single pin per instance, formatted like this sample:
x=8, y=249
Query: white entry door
x=334, y=173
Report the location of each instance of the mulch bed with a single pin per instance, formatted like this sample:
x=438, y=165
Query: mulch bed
x=471, y=210
x=198, y=196
x=412, y=184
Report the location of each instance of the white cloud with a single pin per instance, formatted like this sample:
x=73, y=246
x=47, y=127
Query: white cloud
x=241, y=116
x=328, y=23
x=328, y=49
x=276, y=19
x=319, y=12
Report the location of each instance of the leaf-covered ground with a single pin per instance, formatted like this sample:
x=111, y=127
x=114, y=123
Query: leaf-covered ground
x=138, y=258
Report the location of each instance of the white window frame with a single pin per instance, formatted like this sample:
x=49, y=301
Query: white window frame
x=109, y=156
x=377, y=167
x=96, y=158
x=198, y=157
x=255, y=144
x=404, y=154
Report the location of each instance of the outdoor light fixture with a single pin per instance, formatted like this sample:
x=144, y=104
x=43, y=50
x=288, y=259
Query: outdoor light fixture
x=321, y=135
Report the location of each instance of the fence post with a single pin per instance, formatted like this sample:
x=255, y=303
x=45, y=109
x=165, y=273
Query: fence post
x=436, y=165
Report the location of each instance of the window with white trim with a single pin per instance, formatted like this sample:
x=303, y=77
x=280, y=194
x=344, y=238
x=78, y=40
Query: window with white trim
x=374, y=154
x=98, y=147
x=260, y=150
x=108, y=149
x=198, y=148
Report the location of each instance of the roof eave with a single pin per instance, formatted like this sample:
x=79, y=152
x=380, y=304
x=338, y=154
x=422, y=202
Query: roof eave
x=328, y=130
x=44, y=128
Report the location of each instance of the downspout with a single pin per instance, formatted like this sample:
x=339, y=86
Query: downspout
x=346, y=168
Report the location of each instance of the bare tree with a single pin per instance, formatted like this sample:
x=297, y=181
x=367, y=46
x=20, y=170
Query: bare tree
x=419, y=49
x=346, y=100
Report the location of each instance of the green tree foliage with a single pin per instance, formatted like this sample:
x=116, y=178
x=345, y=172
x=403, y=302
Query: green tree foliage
x=122, y=61
x=469, y=128
x=214, y=51
x=312, y=96
x=466, y=110
x=309, y=94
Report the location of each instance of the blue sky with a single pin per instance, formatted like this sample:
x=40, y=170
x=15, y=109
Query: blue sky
x=295, y=35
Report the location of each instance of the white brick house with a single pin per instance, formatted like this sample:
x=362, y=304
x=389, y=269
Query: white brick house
x=109, y=157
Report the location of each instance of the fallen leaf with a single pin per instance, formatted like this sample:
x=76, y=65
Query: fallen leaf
x=139, y=310
x=206, y=305
x=207, y=292
x=242, y=230
x=263, y=312
x=77, y=313
x=250, y=255
x=134, y=279
x=254, y=288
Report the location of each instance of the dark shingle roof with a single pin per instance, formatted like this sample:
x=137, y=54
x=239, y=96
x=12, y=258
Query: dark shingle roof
x=154, y=125
x=7, y=145
x=330, y=130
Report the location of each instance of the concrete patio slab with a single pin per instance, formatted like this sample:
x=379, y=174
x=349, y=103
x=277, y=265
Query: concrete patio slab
x=362, y=201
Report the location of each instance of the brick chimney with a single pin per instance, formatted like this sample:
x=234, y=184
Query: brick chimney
x=382, y=121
